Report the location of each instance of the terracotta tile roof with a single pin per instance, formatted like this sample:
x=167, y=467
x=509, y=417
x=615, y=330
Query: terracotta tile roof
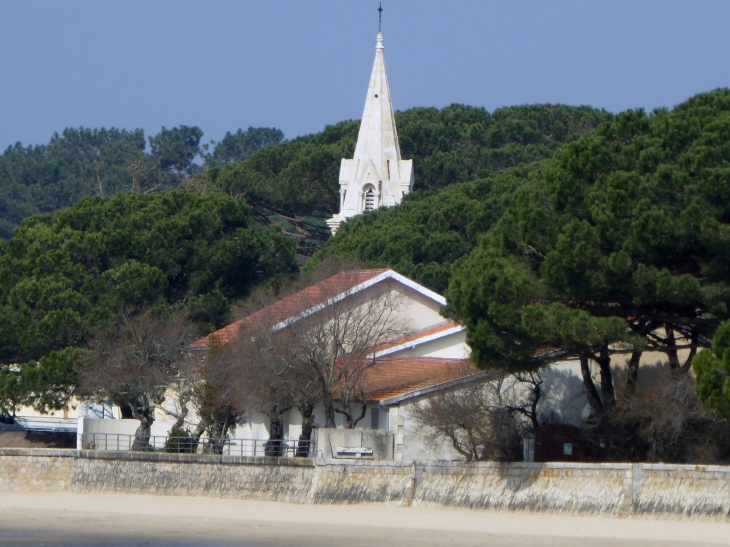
x=393, y=377
x=416, y=336
x=292, y=305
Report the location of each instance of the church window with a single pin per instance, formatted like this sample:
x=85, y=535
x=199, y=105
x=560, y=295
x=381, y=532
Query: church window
x=376, y=95
x=388, y=163
x=370, y=200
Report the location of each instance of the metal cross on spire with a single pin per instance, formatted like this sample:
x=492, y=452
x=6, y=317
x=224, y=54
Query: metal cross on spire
x=380, y=15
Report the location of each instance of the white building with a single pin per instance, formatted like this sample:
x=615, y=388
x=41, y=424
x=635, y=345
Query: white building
x=432, y=356
x=376, y=176
x=430, y=359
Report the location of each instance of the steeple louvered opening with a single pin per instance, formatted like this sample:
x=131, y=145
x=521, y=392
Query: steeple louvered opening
x=369, y=199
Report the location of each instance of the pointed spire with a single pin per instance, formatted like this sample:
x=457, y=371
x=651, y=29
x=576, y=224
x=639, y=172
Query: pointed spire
x=376, y=176
x=378, y=139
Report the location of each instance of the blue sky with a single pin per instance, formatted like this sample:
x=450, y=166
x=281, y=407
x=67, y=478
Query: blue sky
x=298, y=66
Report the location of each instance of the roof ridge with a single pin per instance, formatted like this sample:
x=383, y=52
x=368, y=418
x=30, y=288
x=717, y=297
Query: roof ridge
x=316, y=300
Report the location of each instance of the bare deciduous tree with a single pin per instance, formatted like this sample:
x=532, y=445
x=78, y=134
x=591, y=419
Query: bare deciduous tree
x=664, y=421
x=484, y=419
x=249, y=373
x=336, y=342
x=134, y=363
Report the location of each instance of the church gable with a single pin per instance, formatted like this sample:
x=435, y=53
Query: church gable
x=421, y=307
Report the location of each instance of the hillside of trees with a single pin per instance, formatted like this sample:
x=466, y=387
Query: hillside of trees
x=83, y=162
x=296, y=184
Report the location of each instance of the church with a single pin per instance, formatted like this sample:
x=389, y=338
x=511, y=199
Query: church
x=376, y=176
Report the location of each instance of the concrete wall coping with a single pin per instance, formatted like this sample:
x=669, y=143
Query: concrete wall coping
x=627, y=467
x=311, y=462
x=155, y=457
x=360, y=462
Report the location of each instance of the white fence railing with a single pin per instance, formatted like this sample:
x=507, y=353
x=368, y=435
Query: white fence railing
x=189, y=445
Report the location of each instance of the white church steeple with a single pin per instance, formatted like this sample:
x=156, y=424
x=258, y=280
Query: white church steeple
x=376, y=176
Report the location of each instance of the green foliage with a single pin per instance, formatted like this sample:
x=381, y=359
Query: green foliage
x=45, y=178
x=212, y=310
x=82, y=162
x=65, y=275
x=47, y=384
x=628, y=226
x=300, y=175
x=712, y=368
x=13, y=392
x=429, y=231
x=180, y=440
x=455, y=144
x=50, y=382
x=238, y=146
x=175, y=149
x=461, y=143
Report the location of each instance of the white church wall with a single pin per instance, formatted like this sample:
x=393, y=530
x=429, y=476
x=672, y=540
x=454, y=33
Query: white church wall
x=416, y=311
x=419, y=311
x=452, y=346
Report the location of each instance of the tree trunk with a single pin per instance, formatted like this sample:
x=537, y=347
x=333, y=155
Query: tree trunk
x=692, y=352
x=632, y=375
x=218, y=430
x=672, y=354
x=350, y=421
x=274, y=445
x=142, y=436
x=305, y=439
x=145, y=413
x=536, y=394
x=195, y=440
x=607, y=390
x=593, y=399
x=329, y=408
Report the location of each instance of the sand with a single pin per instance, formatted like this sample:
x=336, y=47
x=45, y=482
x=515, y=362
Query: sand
x=121, y=519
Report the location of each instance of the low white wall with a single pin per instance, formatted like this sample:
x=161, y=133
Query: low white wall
x=106, y=434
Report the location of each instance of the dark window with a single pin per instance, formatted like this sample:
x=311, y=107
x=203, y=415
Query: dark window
x=374, y=417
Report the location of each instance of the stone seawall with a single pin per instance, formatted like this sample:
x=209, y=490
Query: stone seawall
x=607, y=489
x=550, y=487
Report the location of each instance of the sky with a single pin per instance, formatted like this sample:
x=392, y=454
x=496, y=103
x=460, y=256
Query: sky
x=298, y=66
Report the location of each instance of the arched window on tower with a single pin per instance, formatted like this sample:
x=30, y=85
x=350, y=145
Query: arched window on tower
x=369, y=199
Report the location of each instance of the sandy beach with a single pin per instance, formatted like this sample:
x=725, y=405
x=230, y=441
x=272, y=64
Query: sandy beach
x=117, y=519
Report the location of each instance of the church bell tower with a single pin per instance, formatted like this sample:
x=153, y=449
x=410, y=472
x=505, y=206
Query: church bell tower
x=376, y=176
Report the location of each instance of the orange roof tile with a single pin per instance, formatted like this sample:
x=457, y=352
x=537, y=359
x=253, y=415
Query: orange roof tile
x=292, y=305
x=392, y=377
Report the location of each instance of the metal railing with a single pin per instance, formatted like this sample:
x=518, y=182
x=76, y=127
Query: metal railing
x=286, y=448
